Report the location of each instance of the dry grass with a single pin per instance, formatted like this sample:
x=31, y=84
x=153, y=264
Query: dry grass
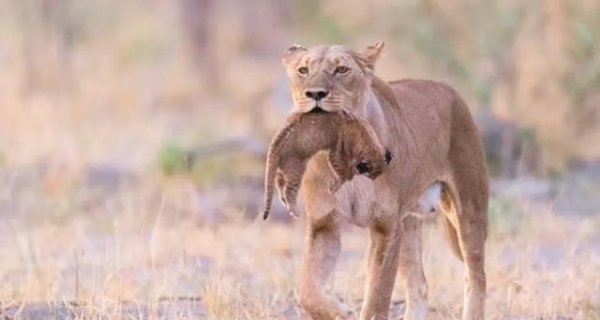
x=542, y=265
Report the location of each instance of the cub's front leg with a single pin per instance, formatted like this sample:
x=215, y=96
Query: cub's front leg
x=339, y=168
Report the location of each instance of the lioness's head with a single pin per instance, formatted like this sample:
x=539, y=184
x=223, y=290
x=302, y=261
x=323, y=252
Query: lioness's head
x=332, y=78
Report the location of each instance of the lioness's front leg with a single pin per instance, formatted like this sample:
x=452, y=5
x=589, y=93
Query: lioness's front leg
x=321, y=252
x=382, y=269
x=411, y=269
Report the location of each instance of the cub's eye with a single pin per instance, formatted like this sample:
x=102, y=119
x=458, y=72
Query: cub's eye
x=303, y=70
x=342, y=69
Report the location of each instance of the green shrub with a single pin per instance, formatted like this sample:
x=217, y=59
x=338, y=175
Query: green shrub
x=172, y=158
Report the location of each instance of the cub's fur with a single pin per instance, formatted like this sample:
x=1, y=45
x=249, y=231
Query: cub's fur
x=353, y=148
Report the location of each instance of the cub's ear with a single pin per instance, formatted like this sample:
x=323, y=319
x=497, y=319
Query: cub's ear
x=370, y=54
x=291, y=53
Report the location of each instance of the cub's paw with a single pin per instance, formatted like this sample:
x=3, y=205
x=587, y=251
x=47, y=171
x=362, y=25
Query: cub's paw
x=293, y=210
x=335, y=186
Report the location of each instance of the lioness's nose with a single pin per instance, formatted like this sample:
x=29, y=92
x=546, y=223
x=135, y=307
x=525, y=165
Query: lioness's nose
x=316, y=94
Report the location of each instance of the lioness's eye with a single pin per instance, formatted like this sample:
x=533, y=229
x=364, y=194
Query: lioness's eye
x=303, y=70
x=342, y=69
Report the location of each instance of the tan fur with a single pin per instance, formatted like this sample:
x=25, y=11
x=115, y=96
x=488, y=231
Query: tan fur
x=351, y=143
x=430, y=131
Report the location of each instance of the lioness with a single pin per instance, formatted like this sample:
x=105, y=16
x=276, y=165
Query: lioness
x=353, y=148
x=429, y=129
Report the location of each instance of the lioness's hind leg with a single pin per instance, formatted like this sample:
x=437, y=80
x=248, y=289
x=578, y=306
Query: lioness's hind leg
x=472, y=243
x=471, y=231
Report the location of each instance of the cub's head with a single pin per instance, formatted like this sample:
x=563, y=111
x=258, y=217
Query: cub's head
x=332, y=78
x=372, y=158
x=367, y=155
x=373, y=163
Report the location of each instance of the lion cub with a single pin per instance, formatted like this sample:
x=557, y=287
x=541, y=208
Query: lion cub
x=352, y=144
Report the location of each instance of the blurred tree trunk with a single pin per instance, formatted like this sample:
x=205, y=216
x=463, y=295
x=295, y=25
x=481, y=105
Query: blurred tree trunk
x=30, y=45
x=265, y=25
x=46, y=44
x=266, y=34
x=198, y=18
x=57, y=19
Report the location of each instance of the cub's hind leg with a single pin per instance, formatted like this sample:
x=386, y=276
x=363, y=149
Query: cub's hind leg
x=280, y=184
x=294, y=170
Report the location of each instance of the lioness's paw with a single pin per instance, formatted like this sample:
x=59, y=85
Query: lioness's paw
x=344, y=312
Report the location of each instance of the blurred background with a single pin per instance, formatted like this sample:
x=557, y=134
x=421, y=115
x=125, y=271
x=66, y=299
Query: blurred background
x=99, y=93
x=115, y=111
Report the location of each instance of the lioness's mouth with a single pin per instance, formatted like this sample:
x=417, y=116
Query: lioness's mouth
x=316, y=109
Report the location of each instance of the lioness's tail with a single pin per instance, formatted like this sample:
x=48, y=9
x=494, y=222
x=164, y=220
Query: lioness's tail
x=448, y=208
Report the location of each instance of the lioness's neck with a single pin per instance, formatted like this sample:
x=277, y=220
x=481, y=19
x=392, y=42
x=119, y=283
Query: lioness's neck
x=373, y=112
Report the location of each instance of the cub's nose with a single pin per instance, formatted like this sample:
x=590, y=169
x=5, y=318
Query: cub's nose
x=317, y=94
x=388, y=156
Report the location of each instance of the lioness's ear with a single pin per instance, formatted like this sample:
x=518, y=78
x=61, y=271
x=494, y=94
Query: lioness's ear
x=291, y=53
x=371, y=53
